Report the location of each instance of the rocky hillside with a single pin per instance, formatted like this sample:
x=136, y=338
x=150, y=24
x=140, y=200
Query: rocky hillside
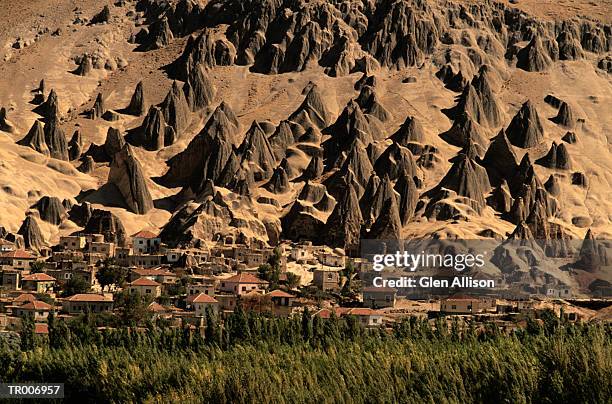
x=330, y=121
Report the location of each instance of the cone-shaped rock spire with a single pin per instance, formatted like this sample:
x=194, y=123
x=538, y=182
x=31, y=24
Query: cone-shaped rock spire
x=389, y=225
x=5, y=125
x=343, y=227
x=370, y=104
x=110, y=226
x=51, y=209
x=463, y=130
x=408, y=197
x=500, y=159
x=32, y=236
x=313, y=108
x=410, y=131
x=525, y=129
x=176, y=109
x=533, y=57
x=200, y=90
x=557, y=157
x=75, y=146
x=137, y=104
x=466, y=178
x=35, y=139
x=279, y=183
x=55, y=138
x=127, y=175
x=565, y=116
x=256, y=149
x=593, y=254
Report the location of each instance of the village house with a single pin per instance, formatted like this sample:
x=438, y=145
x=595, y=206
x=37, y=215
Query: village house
x=11, y=279
x=561, y=292
x=197, y=288
x=122, y=255
x=37, y=309
x=24, y=298
x=465, y=304
x=67, y=256
x=160, y=275
x=159, y=311
x=39, y=283
x=326, y=279
x=377, y=298
x=173, y=255
x=63, y=275
x=366, y=316
x=93, y=238
x=145, y=242
x=199, y=303
x=145, y=287
x=102, y=249
x=72, y=243
x=6, y=246
x=331, y=259
x=280, y=298
x=242, y=283
x=145, y=261
x=91, y=302
x=17, y=259
x=302, y=254
x=227, y=302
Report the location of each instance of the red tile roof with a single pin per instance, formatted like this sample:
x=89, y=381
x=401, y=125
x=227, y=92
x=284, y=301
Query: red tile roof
x=324, y=313
x=36, y=305
x=156, y=307
x=204, y=298
x=359, y=311
x=244, y=277
x=24, y=297
x=279, y=293
x=89, y=297
x=144, y=282
x=41, y=328
x=145, y=234
x=39, y=277
x=18, y=254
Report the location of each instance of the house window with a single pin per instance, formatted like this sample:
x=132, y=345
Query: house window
x=148, y=291
x=244, y=288
x=453, y=307
x=388, y=298
x=140, y=242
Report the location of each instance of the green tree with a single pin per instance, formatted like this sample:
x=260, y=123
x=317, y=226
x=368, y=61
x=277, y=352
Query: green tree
x=111, y=274
x=213, y=332
x=132, y=308
x=37, y=267
x=293, y=280
x=27, y=333
x=75, y=285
